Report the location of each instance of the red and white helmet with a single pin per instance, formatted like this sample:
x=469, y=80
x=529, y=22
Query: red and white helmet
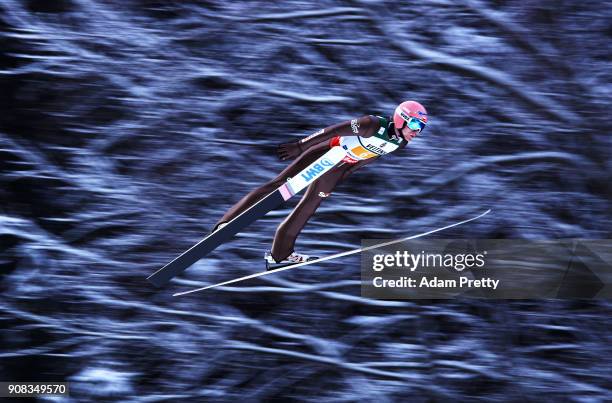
x=410, y=113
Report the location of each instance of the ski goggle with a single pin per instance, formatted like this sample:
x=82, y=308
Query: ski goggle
x=414, y=124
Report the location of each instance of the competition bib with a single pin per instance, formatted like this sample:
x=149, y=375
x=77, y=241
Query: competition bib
x=361, y=148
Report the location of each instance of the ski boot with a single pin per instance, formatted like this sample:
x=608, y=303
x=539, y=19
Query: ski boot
x=292, y=259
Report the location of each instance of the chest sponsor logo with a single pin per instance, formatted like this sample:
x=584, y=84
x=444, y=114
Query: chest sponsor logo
x=362, y=153
x=355, y=126
x=316, y=169
x=377, y=150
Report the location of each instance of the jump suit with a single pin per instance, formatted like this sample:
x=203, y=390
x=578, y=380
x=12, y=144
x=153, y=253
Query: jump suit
x=314, y=147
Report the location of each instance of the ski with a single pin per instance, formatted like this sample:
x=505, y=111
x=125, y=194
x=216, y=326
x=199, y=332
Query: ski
x=337, y=255
x=293, y=186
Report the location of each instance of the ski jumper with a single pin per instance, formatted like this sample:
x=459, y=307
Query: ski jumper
x=363, y=139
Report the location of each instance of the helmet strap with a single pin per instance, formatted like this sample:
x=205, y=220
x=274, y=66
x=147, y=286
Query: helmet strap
x=393, y=133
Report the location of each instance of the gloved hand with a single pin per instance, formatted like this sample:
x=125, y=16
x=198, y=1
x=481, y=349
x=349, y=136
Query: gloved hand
x=287, y=151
